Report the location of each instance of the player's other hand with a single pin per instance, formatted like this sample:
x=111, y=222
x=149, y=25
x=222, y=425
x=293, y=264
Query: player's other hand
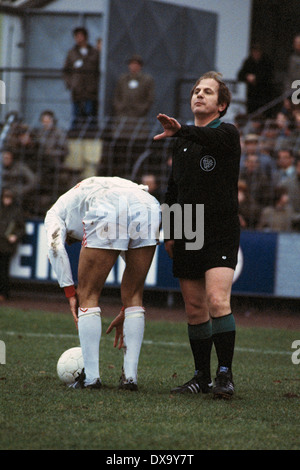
x=73, y=302
x=170, y=125
x=169, y=247
x=118, y=324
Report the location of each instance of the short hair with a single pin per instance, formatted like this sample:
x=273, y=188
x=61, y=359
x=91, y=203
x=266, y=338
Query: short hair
x=256, y=47
x=286, y=149
x=7, y=192
x=47, y=112
x=80, y=29
x=224, y=95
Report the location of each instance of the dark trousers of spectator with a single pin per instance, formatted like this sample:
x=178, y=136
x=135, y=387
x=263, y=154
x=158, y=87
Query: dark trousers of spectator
x=4, y=274
x=85, y=115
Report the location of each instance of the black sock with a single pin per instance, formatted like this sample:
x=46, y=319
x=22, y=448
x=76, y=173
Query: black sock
x=201, y=344
x=223, y=335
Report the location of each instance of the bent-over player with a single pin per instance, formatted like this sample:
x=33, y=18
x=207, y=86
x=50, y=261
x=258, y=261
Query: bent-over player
x=109, y=215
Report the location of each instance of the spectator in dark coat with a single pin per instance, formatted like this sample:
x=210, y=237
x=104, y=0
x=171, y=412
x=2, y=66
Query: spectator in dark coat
x=134, y=93
x=260, y=187
x=278, y=216
x=12, y=229
x=17, y=175
x=293, y=72
x=249, y=210
x=81, y=76
x=257, y=73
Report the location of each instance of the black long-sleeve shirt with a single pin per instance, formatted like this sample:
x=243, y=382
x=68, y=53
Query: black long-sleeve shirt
x=205, y=170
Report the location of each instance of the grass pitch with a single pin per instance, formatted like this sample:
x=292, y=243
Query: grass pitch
x=38, y=412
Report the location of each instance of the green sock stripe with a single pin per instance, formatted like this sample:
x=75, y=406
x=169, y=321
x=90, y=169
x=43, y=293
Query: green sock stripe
x=201, y=331
x=223, y=324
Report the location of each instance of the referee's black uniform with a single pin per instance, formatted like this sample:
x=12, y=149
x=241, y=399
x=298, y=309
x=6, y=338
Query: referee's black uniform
x=205, y=171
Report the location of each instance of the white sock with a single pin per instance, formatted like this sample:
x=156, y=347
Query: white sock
x=133, y=329
x=90, y=328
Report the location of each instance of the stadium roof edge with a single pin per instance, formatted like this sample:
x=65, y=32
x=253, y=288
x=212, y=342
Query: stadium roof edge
x=21, y=5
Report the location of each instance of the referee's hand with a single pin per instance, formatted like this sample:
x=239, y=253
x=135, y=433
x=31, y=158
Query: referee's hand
x=170, y=125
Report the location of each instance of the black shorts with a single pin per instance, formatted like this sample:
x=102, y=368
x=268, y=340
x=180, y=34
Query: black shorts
x=216, y=252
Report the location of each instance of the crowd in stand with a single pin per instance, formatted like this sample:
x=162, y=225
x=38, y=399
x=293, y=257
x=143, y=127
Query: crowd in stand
x=32, y=163
x=34, y=166
x=269, y=184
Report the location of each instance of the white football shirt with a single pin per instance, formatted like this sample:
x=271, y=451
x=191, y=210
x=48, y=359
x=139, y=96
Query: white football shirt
x=79, y=214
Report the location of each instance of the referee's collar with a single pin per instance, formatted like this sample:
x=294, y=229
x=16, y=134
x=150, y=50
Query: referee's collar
x=215, y=123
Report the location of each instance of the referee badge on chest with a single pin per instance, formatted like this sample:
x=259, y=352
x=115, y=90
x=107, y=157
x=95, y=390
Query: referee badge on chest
x=207, y=163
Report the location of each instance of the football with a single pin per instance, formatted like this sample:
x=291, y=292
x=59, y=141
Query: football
x=70, y=365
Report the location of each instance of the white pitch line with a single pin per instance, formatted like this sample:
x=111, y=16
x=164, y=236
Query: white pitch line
x=148, y=342
x=38, y=335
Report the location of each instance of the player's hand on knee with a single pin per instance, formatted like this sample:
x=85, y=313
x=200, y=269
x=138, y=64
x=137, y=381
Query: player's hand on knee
x=118, y=324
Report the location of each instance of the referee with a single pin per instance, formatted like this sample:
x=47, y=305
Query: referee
x=205, y=171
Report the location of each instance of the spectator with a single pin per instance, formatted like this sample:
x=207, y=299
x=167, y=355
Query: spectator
x=22, y=141
x=255, y=125
x=259, y=185
x=284, y=131
x=296, y=116
x=12, y=228
x=52, y=152
x=283, y=123
x=292, y=184
x=251, y=145
x=126, y=139
x=10, y=125
x=53, y=144
x=249, y=211
x=134, y=93
x=18, y=175
x=271, y=130
x=257, y=73
x=287, y=108
x=267, y=147
x=285, y=165
x=153, y=188
x=295, y=137
x=81, y=76
x=293, y=72
x=278, y=216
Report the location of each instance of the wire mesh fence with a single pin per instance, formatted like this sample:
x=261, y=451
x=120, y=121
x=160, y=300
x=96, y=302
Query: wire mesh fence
x=42, y=163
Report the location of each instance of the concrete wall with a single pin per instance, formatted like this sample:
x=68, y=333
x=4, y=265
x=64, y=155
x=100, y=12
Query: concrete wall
x=233, y=31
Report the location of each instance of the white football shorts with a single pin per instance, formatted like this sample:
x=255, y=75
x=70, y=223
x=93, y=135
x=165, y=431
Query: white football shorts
x=119, y=219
